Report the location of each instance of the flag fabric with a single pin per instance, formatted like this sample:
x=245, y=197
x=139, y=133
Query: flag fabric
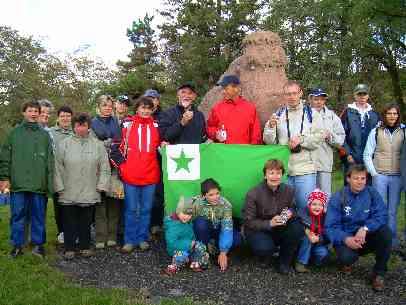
x=237, y=168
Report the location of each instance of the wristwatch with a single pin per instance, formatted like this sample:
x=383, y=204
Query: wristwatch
x=365, y=228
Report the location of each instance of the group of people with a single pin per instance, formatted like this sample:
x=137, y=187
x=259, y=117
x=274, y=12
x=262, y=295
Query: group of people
x=106, y=171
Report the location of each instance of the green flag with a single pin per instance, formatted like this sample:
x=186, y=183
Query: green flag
x=237, y=168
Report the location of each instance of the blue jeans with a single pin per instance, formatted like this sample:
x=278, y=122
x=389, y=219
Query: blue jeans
x=137, y=212
x=304, y=185
x=316, y=252
x=21, y=205
x=389, y=186
x=204, y=231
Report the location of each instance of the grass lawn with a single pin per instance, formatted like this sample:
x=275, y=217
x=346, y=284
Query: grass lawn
x=29, y=280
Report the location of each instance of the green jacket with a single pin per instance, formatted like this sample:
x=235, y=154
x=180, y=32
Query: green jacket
x=178, y=235
x=82, y=171
x=27, y=159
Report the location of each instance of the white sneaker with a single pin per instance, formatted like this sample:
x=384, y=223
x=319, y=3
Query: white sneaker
x=99, y=245
x=60, y=238
x=111, y=243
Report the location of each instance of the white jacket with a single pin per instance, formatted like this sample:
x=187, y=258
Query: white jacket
x=324, y=153
x=301, y=163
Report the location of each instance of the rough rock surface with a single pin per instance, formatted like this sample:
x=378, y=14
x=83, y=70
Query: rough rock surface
x=261, y=69
x=244, y=283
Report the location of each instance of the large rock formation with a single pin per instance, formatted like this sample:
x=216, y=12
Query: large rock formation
x=261, y=69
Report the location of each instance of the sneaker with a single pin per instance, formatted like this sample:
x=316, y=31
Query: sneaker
x=170, y=270
x=87, y=253
x=111, y=243
x=17, y=251
x=68, y=255
x=378, y=283
x=99, y=245
x=60, y=238
x=144, y=246
x=283, y=269
x=195, y=266
x=39, y=251
x=127, y=249
x=301, y=268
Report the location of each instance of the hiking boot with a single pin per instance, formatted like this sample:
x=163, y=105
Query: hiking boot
x=86, y=253
x=144, y=246
x=69, y=255
x=301, y=268
x=39, y=251
x=284, y=269
x=111, y=243
x=378, y=283
x=346, y=269
x=156, y=230
x=100, y=245
x=127, y=249
x=17, y=251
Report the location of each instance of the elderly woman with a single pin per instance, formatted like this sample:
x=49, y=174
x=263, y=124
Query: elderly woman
x=82, y=172
x=382, y=159
x=107, y=128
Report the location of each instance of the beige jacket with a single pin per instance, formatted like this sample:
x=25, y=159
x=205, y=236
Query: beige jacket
x=82, y=171
x=301, y=163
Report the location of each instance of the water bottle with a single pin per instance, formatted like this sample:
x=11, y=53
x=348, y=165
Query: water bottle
x=223, y=133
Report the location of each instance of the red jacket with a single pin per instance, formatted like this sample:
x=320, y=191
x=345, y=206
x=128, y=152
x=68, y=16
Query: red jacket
x=139, y=149
x=240, y=121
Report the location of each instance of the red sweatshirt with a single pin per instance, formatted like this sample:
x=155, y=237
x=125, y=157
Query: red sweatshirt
x=141, y=166
x=240, y=121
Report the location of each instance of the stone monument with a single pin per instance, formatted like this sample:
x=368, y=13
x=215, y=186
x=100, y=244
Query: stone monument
x=261, y=69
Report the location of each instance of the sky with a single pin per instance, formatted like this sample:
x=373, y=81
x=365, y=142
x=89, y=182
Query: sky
x=65, y=26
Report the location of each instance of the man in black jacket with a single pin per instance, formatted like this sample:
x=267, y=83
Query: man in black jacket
x=183, y=123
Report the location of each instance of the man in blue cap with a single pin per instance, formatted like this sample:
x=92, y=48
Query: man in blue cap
x=233, y=120
x=183, y=123
x=334, y=136
x=156, y=99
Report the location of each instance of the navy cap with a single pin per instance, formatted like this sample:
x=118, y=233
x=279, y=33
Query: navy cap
x=124, y=99
x=152, y=93
x=229, y=79
x=318, y=92
x=187, y=85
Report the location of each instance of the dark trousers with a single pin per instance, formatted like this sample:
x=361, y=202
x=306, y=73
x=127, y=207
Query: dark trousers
x=157, y=212
x=57, y=213
x=205, y=231
x=77, y=222
x=378, y=242
x=107, y=214
x=288, y=238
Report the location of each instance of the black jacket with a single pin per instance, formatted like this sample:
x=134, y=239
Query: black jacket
x=173, y=132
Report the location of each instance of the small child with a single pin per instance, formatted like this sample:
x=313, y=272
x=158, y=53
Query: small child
x=181, y=243
x=314, y=244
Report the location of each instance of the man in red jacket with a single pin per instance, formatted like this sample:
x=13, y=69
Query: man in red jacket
x=233, y=120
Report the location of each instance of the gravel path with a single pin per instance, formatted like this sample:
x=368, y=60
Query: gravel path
x=244, y=283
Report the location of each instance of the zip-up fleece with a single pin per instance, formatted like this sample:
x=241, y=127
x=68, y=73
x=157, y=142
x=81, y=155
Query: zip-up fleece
x=138, y=148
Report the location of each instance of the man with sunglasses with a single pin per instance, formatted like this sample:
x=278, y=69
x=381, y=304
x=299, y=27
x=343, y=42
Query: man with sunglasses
x=358, y=120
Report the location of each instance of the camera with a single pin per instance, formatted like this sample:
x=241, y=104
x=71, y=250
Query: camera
x=296, y=150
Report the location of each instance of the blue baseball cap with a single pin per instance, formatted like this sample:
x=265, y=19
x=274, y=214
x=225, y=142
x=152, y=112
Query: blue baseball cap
x=318, y=92
x=152, y=93
x=229, y=79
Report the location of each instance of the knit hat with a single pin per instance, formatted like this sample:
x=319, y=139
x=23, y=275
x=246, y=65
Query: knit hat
x=184, y=206
x=317, y=194
x=316, y=225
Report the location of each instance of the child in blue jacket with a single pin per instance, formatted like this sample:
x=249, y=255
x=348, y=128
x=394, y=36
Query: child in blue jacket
x=181, y=243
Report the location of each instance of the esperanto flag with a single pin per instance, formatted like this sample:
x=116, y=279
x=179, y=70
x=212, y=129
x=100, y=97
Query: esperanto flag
x=237, y=168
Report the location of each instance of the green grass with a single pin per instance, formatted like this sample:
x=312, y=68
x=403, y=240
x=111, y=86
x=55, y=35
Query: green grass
x=29, y=280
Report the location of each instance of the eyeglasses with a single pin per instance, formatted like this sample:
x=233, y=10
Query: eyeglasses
x=362, y=94
x=392, y=113
x=292, y=93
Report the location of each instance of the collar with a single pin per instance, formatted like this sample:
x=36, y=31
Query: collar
x=234, y=101
x=360, y=110
x=182, y=109
x=30, y=125
x=278, y=189
x=297, y=108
